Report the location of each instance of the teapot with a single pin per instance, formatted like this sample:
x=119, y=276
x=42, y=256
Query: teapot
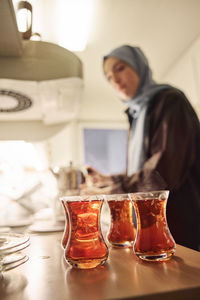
x=69, y=179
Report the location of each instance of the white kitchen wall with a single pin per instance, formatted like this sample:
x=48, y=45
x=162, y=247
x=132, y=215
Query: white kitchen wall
x=62, y=148
x=185, y=74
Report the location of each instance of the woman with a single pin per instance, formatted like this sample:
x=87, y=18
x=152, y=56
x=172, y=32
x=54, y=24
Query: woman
x=164, y=142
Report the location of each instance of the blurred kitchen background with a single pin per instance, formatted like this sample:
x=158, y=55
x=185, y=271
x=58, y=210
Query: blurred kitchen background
x=55, y=104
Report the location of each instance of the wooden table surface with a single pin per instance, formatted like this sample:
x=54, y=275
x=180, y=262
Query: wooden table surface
x=46, y=276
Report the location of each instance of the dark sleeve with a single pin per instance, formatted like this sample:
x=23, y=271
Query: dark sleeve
x=171, y=145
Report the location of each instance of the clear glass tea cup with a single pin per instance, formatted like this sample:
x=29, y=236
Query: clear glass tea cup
x=66, y=228
x=154, y=241
x=122, y=230
x=85, y=247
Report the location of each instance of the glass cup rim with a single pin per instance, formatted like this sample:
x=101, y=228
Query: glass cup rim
x=81, y=198
x=150, y=195
x=117, y=197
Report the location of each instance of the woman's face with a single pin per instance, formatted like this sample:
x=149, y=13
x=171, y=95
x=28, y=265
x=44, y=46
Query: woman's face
x=122, y=77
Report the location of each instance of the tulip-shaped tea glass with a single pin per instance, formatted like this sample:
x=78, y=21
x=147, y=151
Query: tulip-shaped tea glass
x=85, y=248
x=122, y=230
x=66, y=229
x=154, y=241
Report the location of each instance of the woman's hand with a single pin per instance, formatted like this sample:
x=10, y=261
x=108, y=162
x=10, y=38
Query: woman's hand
x=97, y=179
x=98, y=183
x=93, y=190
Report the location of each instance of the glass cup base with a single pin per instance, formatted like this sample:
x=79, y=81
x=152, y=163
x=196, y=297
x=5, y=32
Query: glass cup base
x=87, y=264
x=155, y=257
x=122, y=245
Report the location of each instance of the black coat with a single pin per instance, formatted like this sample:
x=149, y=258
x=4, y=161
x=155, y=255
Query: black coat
x=173, y=162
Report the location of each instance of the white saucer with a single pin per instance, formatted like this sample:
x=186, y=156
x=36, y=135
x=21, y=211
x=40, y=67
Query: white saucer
x=45, y=227
x=17, y=223
x=4, y=229
x=12, y=240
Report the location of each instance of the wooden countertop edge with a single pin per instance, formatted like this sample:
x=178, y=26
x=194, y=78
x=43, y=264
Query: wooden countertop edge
x=183, y=294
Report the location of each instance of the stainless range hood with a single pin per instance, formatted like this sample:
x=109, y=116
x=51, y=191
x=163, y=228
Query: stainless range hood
x=11, y=43
x=38, y=61
x=28, y=70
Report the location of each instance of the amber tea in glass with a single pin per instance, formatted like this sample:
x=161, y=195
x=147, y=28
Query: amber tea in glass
x=86, y=247
x=154, y=241
x=122, y=230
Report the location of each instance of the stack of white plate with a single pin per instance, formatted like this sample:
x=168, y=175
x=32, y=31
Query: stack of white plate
x=11, y=245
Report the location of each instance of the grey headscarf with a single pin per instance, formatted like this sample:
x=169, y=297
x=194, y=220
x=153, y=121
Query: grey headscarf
x=137, y=106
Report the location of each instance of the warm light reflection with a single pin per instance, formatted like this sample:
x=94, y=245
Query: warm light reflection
x=74, y=19
x=23, y=19
x=75, y=22
x=24, y=175
x=20, y=164
x=23, y=16
x=24, y=154
x=35, y=265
